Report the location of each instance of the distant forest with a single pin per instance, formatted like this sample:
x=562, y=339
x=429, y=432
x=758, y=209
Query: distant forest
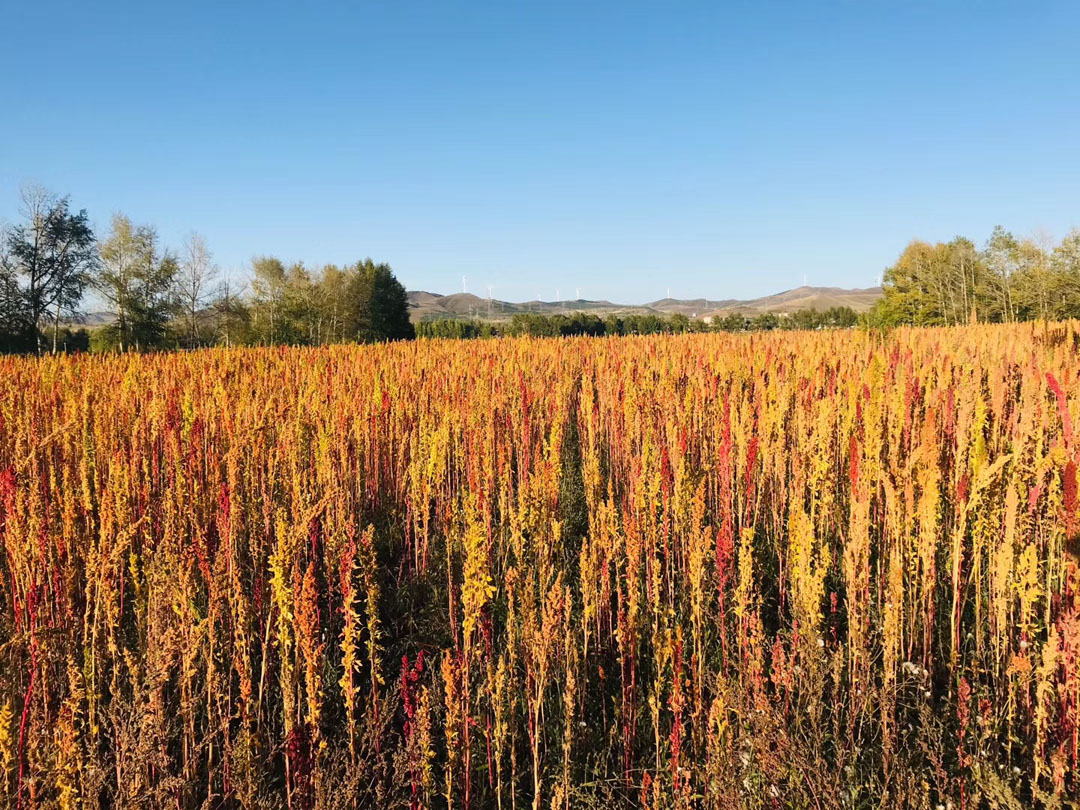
x=584, y=323
x=160, y=298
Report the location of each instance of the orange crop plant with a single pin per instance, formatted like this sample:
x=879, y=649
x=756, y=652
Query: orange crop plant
x=811, y=570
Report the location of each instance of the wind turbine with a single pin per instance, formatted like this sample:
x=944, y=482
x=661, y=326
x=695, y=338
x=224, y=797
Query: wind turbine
x=490, y=288
x=464, y=286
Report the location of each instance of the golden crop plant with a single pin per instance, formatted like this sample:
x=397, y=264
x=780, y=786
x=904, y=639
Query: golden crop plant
x=815, y=570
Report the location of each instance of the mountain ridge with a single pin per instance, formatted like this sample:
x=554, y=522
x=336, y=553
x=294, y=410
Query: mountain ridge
x=426, y=306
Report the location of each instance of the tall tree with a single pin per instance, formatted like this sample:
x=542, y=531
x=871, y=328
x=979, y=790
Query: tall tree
x=302, y=306
x=378, y=306
x=232, y=316
x=14, y=333
x=52, y=252
x=195, y=283
x=1036, y=284
x=934, y=285
x=1065, y=262
x=333, y=296
x=155, y=300
x=120, y=257
x=913, y=292
x=1000, y=256
x=269, y=286
x=138, y=283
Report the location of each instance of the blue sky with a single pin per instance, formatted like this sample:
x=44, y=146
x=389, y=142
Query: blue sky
x=621, y=148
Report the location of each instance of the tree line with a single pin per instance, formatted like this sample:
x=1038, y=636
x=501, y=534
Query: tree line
x=583, y=323
x=52, y=262
x=1009, y=279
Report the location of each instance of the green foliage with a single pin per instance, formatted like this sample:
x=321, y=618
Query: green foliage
x=579, y=323
x=283, y=303
x=766, y=322
x=231, y=319
x=735, y=322
x=1010, y=279
x=377, y=306
x=137, y=281
x=15, y=334
x=70, y=340
x=46, y=264
x=455, y=328
x=583, y=323
x=291, y=305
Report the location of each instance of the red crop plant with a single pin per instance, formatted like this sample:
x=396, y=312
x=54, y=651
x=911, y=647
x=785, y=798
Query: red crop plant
x=822, y=570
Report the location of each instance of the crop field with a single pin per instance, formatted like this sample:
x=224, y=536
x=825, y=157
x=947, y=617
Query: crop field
x=810, y=570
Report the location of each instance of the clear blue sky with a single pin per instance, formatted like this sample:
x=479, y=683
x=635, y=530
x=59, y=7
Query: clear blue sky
x=624, y=148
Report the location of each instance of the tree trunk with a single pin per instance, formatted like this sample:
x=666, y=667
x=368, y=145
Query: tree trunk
x=56, y=327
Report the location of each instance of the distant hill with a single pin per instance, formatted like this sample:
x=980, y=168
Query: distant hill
x=426, y=306
x=819, y=298
x=88, y=320
x=693, y=307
